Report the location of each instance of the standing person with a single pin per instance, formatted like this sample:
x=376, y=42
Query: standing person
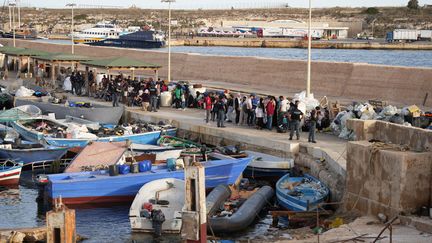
x=313, y=124
x=295, y=118
x=73, y=83
x=208, y=107
x=270, y=108
x=237, y=107
x=249, y=110
x=255, y=101
x=114, y=91
x=177, y=96
x=283, y=107
x=260, y=114
x=153, y=95
x=145, y=99
x=220, y=109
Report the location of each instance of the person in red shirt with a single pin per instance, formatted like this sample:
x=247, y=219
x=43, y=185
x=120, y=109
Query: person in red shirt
x=207, y=106
x=270, y=108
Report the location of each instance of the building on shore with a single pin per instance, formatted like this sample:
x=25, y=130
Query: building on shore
x=292, y=29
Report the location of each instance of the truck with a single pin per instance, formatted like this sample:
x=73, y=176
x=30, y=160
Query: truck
x=426, y=35
x=403, y=35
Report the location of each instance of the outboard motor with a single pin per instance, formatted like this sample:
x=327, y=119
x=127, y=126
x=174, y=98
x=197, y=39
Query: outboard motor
x=158, y=218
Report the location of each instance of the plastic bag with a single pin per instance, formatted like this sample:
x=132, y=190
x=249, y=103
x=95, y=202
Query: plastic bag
x=24, y=92
x=309, y=102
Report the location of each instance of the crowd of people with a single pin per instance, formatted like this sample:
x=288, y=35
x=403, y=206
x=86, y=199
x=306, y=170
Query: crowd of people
x=264, y=113
x=220, y=107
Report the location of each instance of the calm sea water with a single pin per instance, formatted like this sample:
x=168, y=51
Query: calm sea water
x=384, y=57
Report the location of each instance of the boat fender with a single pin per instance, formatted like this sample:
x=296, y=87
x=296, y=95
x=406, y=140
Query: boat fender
x=157, y=217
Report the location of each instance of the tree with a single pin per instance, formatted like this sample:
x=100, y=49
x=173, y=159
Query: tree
x=413, y=4
x=372, y=11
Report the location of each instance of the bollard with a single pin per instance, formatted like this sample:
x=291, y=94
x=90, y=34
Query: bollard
x=61, y=224
x=194, y=225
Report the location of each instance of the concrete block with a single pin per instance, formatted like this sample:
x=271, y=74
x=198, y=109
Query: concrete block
x=391, y=181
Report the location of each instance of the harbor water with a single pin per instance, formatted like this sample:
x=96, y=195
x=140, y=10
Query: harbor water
x=21, y=208
x=409, y=58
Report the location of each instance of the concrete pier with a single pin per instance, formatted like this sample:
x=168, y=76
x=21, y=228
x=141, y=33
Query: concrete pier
x=329, y=149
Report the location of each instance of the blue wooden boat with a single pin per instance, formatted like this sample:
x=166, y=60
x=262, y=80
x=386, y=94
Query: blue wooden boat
x=100, y=187
x=36, y=135
x=141, y=138
x=30, y=153
x=50, y=135
x=300, y=193
x=267, y=166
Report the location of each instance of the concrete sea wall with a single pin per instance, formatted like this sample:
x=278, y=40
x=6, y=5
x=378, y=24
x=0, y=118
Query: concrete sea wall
x=401, y=85
x=281, y=43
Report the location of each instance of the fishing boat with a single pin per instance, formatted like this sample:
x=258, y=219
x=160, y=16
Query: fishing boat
x=140, y=138
x=302, y=193
x=10, y=173
x=35, y=129
x=161, y=153
x=100, y=187
x=189, y=148
x=160, y=197
x=103, y=114
x=29, y=153
x=264, y=165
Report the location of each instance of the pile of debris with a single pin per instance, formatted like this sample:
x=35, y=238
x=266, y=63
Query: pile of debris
x=408, y=116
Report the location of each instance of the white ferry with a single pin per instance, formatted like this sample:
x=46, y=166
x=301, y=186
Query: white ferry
x=101, y=31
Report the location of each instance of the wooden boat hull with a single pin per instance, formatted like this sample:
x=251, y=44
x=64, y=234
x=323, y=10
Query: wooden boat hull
x=99, y=187
x=28, y=156
x=264, y=165
x=309, y=198
x=10, y=176
x=29, y=134
x=99, y=113
x=142, y=138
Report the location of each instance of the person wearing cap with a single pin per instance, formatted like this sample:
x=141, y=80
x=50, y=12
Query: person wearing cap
x=145, y=98
x=208, y=107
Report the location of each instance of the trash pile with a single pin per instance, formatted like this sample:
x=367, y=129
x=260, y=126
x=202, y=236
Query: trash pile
x=128, y=129
x=408, y=116
x=44, y=126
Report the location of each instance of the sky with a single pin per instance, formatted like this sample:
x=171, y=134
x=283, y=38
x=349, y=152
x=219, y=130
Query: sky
x=209, y=4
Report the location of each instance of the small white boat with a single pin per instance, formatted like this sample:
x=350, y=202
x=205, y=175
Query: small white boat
x=265, y=165
x=166, y=195
x=162, y=153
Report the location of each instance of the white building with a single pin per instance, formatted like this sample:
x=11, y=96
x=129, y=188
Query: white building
x=290, y=29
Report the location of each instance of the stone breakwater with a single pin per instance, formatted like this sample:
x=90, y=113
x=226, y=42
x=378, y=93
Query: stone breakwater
x=355, y=81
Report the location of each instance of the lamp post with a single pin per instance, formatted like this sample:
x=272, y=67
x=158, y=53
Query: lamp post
x=308, y=81
x=72, y=5
x=17, y=2
x=10, y=17
x=13, y=21
x=169, y=36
